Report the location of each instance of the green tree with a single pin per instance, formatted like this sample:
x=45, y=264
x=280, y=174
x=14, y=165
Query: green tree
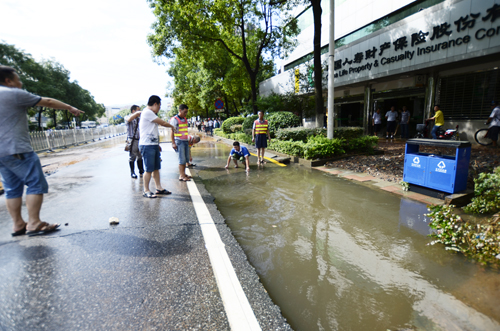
x=245, y=29
x=50, y=79
x=317, y=67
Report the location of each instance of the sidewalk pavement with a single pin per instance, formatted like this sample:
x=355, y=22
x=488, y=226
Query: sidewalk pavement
x=152, y=271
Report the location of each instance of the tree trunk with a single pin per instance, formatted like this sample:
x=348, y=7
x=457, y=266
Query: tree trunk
x=226, y=104
x=40, y=110
x=235, y=107
x=253, y=83
x=67, y=119
x=54, y=117
x=318, y=74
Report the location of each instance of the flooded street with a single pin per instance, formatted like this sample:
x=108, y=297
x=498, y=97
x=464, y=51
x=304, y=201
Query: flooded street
x=339, y=255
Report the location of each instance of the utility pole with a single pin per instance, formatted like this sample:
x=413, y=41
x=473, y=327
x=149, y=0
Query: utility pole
x=331, y=72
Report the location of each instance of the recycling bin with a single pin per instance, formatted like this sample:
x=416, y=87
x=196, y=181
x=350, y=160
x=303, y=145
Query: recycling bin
x=444, y=173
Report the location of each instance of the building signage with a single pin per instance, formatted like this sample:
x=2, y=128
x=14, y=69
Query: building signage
x=460, y=30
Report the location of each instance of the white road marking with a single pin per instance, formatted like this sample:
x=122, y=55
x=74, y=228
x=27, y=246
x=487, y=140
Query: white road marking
x=239, y=313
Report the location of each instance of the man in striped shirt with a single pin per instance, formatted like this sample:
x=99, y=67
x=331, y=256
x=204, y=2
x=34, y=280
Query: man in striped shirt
x=260, y=134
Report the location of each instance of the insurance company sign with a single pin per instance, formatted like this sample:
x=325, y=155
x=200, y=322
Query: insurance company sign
x=447, y=32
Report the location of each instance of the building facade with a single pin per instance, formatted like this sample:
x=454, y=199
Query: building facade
x=423, y=53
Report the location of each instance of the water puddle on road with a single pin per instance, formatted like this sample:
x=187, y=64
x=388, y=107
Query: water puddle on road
x=338, y=255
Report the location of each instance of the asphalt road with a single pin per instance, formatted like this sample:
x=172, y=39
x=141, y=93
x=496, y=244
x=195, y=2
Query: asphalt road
x=149, y=272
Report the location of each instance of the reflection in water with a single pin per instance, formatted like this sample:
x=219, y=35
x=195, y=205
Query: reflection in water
x=411, y=215
x=337, y=255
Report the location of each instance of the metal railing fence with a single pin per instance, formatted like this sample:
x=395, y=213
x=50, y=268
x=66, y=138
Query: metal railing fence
x=49, y=140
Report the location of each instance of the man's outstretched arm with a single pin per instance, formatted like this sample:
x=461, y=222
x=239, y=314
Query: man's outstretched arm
x=56, y=104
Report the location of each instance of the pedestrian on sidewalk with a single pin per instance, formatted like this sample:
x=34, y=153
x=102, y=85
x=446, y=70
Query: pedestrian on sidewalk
x=405, y=121
x=260, y=134
x=376, y=122
x=211, y=126
x=239, y=153
x=19, y=164
x=438, y=119
x=133, y=134
x=149, y=145
x=391, y=116
x=494, y=122
x=205, y=126
x=180, y=140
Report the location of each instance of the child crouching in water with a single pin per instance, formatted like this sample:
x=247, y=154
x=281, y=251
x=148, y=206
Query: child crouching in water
x=239, y=153
x=191, y=141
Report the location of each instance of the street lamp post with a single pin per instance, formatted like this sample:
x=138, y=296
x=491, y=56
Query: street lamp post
x=331, y=70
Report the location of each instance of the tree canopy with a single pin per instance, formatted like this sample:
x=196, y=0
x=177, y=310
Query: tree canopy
x=49, y=78
x=221, y=40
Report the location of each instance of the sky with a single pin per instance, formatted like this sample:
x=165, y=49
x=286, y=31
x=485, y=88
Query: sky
x=101, y=42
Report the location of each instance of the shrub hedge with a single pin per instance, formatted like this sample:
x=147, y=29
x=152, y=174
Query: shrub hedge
x=310, y=143
x=487, y=194
x=248, y=122
x=302, y=134
x=227, y=124
x=282, y=119
x=320, y=147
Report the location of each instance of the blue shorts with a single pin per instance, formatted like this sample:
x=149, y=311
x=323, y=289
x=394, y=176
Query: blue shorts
x=151, y=156
x=23, y=170
x=261, y=141
x=183, y=150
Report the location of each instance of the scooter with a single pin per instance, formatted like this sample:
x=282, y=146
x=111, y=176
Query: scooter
x=450, y=134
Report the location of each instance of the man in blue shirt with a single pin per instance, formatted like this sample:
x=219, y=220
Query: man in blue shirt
x=239, y=153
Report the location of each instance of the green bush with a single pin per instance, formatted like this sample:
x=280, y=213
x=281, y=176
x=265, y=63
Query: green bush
x=361, y=144
x=283, y=119
x=298, y=134
x=248, y=122
x=487, y=194
x=295, y=148
x=238, y=136
x=227, y=124
x=236, y=128
x=348, y=132
x=480, y=242
x=242, y=137
x=320, y=147
x=301, y=133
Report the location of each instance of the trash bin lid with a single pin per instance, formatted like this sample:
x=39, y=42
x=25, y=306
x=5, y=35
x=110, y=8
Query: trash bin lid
x=439, y=143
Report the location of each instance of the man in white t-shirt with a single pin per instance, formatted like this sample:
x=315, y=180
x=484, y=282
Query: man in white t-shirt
x=494, y=122
x=376, y=122
x=211, y=126
x=391, y=116
x=149, y=145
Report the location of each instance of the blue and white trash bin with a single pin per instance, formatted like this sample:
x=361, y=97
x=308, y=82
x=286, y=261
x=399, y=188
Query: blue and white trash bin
x=444, y=173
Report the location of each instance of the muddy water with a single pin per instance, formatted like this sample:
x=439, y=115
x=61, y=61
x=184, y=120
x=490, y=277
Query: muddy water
x=338, y=255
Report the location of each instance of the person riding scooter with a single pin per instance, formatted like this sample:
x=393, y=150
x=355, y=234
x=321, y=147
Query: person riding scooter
x=438, y=121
